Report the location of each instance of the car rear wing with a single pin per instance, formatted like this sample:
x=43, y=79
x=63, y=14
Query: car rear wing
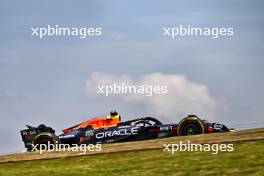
x=28, y=135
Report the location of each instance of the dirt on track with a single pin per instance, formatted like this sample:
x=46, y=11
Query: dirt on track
x=243, y=135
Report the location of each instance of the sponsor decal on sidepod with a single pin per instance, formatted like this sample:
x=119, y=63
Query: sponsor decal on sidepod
x=120, y=132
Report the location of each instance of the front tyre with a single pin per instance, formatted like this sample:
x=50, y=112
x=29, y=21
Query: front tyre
x=190, y=125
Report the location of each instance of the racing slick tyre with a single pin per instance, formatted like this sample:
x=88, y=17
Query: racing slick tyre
x=45, y=141
x=190, y=125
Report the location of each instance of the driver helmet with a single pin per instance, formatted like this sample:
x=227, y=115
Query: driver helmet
x=113, y=113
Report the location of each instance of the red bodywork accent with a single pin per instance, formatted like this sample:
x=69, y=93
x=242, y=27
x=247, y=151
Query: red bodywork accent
x=81, y=139
x=154, y=130
x=98, y=122
x=67, y=130
x=210, y=130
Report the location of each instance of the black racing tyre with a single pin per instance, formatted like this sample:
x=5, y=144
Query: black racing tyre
x=190, y=126
x=44, y=128
x=45, y=140
x=29, y=148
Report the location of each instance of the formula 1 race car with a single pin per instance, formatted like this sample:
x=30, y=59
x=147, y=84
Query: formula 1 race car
x=110, y=129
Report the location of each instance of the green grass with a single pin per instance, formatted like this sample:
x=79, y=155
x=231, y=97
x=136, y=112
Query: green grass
x=246, y=159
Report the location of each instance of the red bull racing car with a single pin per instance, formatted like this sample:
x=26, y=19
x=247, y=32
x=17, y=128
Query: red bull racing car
x=110, y=129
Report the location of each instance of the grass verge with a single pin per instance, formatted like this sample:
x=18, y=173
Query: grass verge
x=246, y=159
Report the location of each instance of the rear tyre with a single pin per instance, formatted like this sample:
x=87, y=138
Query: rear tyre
x=46, y=141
